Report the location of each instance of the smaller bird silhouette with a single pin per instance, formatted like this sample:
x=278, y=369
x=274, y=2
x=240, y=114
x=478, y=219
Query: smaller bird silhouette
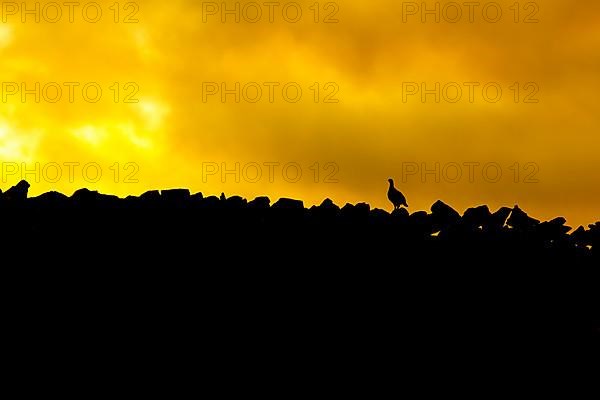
x=395, y=196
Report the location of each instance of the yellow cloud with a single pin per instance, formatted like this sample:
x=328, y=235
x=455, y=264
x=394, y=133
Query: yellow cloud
x=91, y=135
x=15, y=145
x=6, y=35
x=370, y=133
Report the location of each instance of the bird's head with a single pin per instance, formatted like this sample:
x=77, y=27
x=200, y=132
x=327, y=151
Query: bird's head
x=391, y=181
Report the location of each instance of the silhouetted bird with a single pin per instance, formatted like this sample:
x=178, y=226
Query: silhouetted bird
x=395, y=196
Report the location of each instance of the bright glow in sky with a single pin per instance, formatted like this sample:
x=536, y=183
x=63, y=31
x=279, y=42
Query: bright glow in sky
x=163, y=134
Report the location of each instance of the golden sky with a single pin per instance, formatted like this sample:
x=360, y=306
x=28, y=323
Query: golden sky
x=175, y=132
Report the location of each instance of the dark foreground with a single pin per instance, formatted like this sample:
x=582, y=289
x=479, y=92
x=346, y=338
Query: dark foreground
x=322, y=291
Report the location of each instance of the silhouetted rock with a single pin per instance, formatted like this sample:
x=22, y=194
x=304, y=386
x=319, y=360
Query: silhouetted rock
x=477, y=229
x=581, y=236
x=379, y=279
x=362, y=207
x=49, y=201
x=151, y=196
x=560, y=221
x=421, y=223
x=328, y=204
x=175, y=195
x=326, y=210
x=92, y=197
x=212, y=202
x=520, y=220
x=85, y=196
x=442, y=215
x=553, y=229
x=400, y=214
x=355, y=213
x=288, y=204
x=287, y=211
x=594, y=234
x=349, y=208
x=498, y=219
x=17, y=192
x=476, y=217
x=262, y=203
x=235, y=202
x=419, y=216
x=378, y=215
x=196, y=197
x=53, y=197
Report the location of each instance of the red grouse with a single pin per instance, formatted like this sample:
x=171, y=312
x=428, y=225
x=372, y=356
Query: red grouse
x=395, y=196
